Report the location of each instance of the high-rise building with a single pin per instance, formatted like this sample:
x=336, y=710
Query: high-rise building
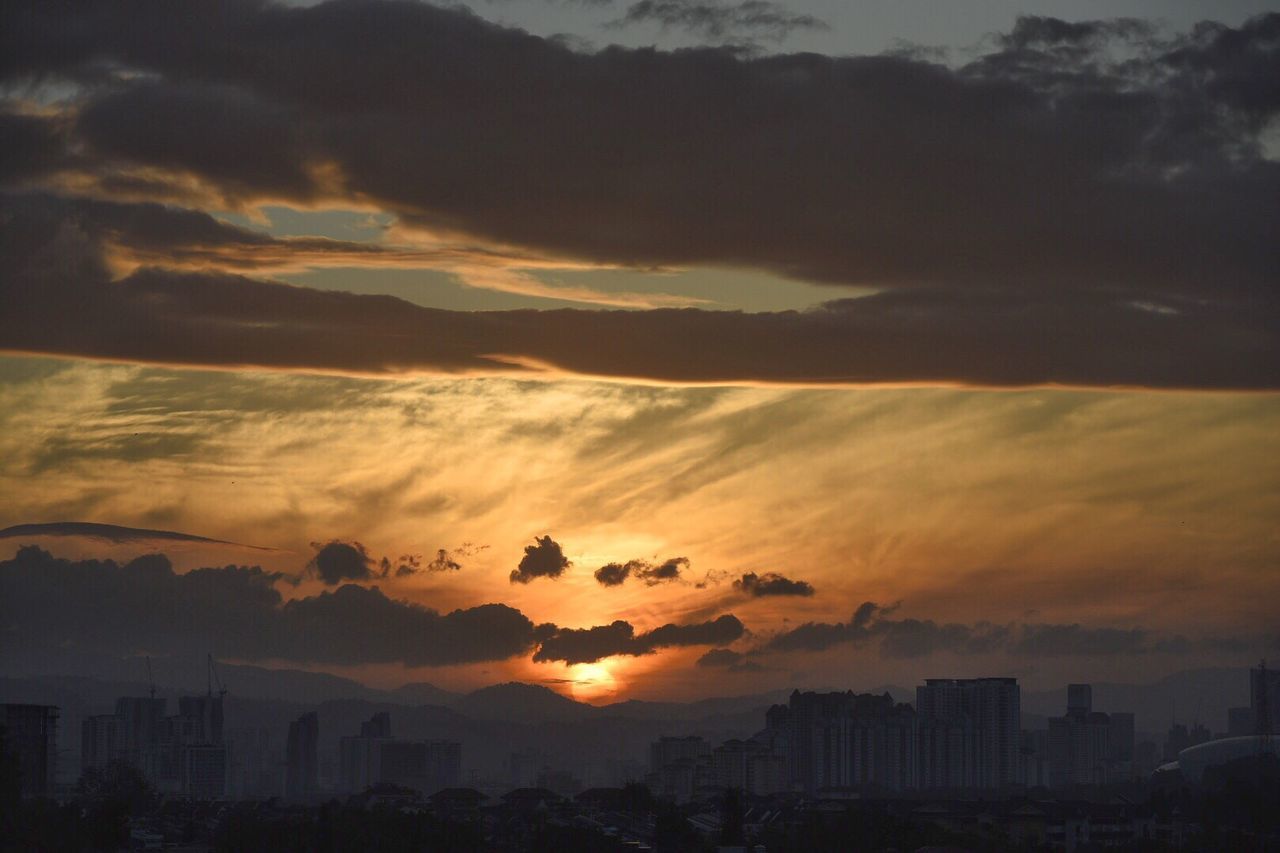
x=1264, y=699
x=140, y=717
x=203, y=771
x=749, y=766
x=302, y=774
x=206, y=711
x=1080, y=742
x=969, y=732
x=1240, y=722
x=29, y=733
x=379, y=725
x=102, y=741
x=668, y=750
x=835, y=740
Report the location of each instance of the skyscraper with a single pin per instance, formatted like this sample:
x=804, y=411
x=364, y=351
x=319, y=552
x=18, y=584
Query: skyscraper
x=1264, y=699
x=968, y=731
x=29, y=733
x=302, y=774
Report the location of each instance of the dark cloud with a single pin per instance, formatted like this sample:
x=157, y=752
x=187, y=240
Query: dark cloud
x=1043, y=214
x=543, y=559
x=585, y=645
x=1046, y=640
x=61, y=298
x=912, y=638
x=1034, y=167
x=614, y=574
x=111, y=533
x=771, y=583
x=336, y=561
x=145, y=607
x=721, y=21
x=443, y=562
x=729, y=660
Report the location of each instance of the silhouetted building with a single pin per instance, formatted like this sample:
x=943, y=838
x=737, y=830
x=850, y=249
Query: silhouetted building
x=206, y=712
x=379, y=725
x=1120, y=744
x=969, y=732
x=302, y=773
x=837, y=740
x=374, y=757
x=203, y=771
x=424, y=765
x=1240, y=722
x=255, y=771
x=1180, y=738
x=1264, y=700
x=750, y=767
x=140, y=717
x=1034, y=758
x=29, y=734
x=102, y=741
x=668, y=750
x=1080, y=742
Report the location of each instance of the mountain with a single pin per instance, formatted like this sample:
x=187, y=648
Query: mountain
x=524, y=703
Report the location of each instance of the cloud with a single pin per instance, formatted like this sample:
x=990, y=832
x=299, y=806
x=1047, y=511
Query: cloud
x=721, y=21
x=145, y=607
x=543, y=559
x=443, y=562
x=1044, y=214
x=336, y=561
x=586, y=645
x=771, y=583
x=614, y=574
x=111, y=533
x=61, y=298
x=1041, y=165
x=914, y=638
x=729, y=660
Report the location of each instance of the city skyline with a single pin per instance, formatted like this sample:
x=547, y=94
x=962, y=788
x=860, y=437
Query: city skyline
x=640, y=351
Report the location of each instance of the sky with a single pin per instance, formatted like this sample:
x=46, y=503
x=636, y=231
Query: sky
x=659, y=349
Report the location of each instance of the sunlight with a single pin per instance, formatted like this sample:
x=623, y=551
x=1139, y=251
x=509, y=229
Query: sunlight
x=592, y=682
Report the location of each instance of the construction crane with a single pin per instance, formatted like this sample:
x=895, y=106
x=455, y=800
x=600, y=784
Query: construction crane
x=214, y=679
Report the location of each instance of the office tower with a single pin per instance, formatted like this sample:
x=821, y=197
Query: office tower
x=1079, y=698
x=1264, y=699
x=206, y=711
x=1080, y=748
x=140, y=717
x=29, y=734
x=968, y=732
x=302, y=774
x=102, y=741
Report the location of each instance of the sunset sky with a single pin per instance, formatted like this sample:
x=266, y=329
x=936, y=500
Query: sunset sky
x=656, y=349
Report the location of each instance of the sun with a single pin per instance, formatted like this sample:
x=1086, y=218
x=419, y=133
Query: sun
x=591, y=681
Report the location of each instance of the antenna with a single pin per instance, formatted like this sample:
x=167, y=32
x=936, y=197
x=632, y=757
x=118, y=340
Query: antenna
x=151, y=680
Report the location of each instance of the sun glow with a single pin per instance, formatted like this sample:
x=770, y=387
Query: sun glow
x=592, y=682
